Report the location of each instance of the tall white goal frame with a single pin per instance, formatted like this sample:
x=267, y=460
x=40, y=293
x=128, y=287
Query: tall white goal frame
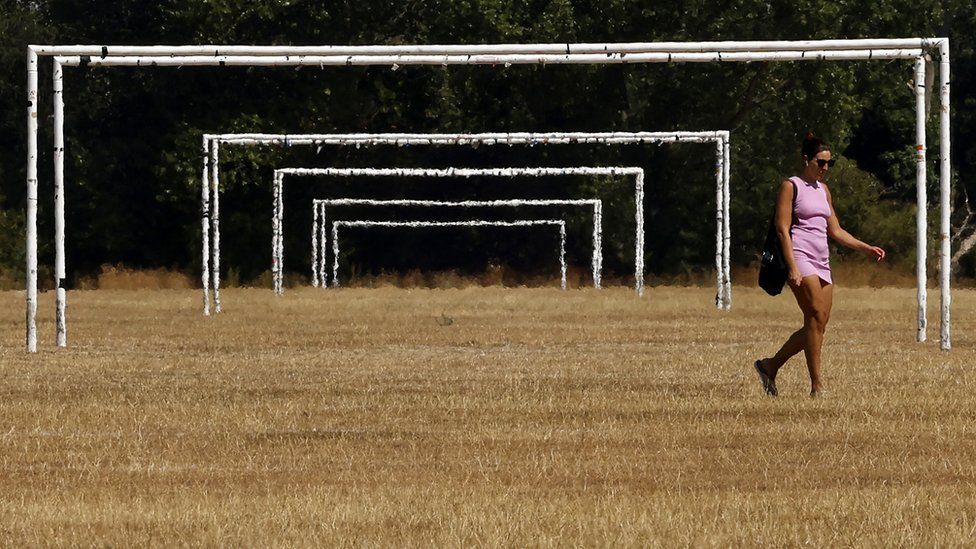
x=720, y=138
x=320, y=235
x=560, y=224
x=493, y=55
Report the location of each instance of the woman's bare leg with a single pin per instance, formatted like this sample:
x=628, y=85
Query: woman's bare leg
x=815, y=325
x=815, y=299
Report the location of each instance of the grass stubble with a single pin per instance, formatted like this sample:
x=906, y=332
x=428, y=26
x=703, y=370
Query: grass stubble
x=482, y=416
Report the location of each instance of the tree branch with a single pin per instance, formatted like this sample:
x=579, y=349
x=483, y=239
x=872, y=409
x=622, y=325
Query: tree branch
x=967, y=244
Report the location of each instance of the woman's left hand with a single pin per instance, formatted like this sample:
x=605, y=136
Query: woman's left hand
x=875, y=252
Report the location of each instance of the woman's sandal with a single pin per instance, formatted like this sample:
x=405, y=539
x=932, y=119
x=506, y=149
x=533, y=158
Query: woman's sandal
x=768, y=383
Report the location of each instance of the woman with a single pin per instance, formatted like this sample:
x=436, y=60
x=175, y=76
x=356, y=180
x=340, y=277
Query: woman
x=803, y=226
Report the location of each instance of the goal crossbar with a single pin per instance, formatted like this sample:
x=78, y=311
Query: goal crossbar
x=486, y=59
x=475, y=49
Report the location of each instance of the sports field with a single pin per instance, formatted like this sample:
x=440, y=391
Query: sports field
x=483, y=416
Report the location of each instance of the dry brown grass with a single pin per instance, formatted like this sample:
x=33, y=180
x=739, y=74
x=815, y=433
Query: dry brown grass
x=481, y=416
x=119, y=277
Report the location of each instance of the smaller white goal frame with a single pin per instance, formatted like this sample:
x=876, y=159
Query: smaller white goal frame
x=637, y=173
x=468, y=223
x=320, y=235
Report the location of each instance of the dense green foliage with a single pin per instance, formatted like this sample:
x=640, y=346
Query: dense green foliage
x=133, y=135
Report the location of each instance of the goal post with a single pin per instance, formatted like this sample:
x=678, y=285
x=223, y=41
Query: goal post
x=319, y=234
x=558, y=223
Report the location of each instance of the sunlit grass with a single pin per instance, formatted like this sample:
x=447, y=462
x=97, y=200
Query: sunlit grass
x=482, y=416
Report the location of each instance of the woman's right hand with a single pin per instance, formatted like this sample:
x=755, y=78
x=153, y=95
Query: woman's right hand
x=793, y=277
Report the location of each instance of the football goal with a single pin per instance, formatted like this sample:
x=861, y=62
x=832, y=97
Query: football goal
x=719, y=139
x=492, y=55
x=559, y=224
x=320, y=235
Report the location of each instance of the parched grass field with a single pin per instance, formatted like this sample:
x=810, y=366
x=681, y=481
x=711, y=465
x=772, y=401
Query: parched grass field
x=483, y=416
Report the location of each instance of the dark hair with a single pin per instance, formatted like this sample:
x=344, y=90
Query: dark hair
x=812, y=145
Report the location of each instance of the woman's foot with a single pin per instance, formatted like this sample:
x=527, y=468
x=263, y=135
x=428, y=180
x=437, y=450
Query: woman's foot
x=768, y=381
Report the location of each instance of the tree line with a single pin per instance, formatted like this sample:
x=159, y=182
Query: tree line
x=133, y=135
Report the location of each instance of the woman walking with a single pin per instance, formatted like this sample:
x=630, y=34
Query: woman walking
x=803, y=224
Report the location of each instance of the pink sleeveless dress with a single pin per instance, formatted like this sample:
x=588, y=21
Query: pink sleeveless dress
x=810, y=230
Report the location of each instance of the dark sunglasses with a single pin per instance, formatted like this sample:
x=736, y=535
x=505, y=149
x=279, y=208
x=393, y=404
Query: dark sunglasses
x=821, y=162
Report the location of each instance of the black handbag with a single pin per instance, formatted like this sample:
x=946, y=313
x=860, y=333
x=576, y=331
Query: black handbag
x=772, y=266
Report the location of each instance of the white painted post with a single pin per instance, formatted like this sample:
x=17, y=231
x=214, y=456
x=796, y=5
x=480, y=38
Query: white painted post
x=726, y=223
x=280, y=250
x=945, y=186
x=215, y=219
x=315, y=246
x=598, y=244
x=639, y=234
x=275, y=223
x=562, y=256
x=639, y=247
x=31, y=201
x=323, y=250
x=719, y=226
x=205, y=225
x=921, y=214
x=61, y=321
x=335, y=254
x=279, y=282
